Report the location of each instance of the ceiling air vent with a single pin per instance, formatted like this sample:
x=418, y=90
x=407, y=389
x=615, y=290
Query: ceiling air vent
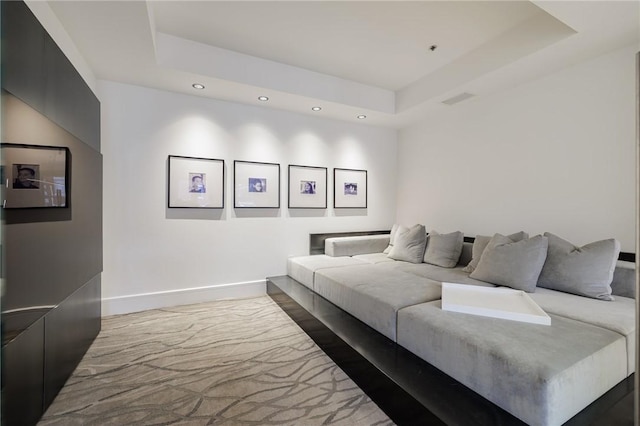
x=458, y=98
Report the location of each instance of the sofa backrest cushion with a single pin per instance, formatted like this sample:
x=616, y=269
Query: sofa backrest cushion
x=585, y=271
x=480, y=243
x=351, y=246
x=512, y=264
x=392, y=236
x=624, y=279
x=466, y=254
x=443, y=249
x=409, y=244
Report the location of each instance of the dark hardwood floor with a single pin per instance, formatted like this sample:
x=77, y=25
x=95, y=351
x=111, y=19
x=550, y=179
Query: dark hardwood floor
x=409, y=390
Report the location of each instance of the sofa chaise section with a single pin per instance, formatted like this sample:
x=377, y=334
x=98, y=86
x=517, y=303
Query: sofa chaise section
x=543, y=375
x=425, y=270
x=374, y=295
x=303, y=268
x=617, y=315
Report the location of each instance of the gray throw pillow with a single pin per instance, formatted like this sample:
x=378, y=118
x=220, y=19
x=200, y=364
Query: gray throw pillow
x=585, y=271
x=409, y=244
x=394, y=230
x=443, y=249
x=512, y=264
x=479, y=244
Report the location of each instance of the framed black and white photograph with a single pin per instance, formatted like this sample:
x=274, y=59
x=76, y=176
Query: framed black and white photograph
x=350, y=189
x=35, y=176
x=196, y=182
x=307, y=187
x=256, y=185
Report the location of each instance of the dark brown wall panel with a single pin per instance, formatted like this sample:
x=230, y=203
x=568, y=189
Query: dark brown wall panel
x=69, y=102
x=36, y=71
x=22, y=380
x=69, y=331
x=23, y=54
x=50, y=253
x=52, y=257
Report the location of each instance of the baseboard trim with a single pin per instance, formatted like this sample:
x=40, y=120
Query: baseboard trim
x=163, y=299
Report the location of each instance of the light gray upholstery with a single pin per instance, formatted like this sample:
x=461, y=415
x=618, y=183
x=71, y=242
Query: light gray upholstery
x=618, y=315
x=541, y=374
x=443, y=249
x=392, y=235
x=349, y=246
x=374, y=295
x=585, y=271
x=466, y=255
x=512, y=264
x=374, y=258
x=624, y=279
x=409, y=244
x=480, y=243
x=303, y=268
x=437, y=273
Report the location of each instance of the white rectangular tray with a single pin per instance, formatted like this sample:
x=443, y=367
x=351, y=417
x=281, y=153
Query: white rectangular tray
x=498, y=302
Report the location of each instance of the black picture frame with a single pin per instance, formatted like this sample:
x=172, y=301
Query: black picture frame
x=307, y=187
x=350, y=188
x=256, y=185
x=35, y=176
x=195, y=182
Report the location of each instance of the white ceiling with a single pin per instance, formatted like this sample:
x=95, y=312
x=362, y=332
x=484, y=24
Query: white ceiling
x=348, y=57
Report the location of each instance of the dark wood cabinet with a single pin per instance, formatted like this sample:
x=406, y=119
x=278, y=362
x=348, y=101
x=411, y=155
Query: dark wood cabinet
x=23, y=69
x=68, y=101
x=52, y=258
x=22, y=378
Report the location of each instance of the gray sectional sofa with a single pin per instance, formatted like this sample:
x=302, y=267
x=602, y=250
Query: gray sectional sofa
x=541, y=374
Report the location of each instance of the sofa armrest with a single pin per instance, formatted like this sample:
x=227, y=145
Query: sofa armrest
x=351, y=246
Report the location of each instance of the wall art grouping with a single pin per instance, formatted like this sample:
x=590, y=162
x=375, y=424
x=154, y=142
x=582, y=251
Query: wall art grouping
x=34, y=176
x=199, y=183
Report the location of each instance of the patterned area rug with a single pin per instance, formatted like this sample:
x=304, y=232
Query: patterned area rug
x=237, y=362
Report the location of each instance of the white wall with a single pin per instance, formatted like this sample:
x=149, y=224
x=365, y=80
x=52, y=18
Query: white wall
x=152, y=253
x=556, y=154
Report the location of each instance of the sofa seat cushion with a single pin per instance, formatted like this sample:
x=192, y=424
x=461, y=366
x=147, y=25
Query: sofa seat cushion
x=373, y=294
x=618, y=315
x=541, y=374
x=303, y=268
x=373, y=258
x=436, y=273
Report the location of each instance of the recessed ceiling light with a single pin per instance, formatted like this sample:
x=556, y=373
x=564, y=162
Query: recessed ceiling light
x=197, y=86
x=316, y=109
x=263, y=98
x=362, y=117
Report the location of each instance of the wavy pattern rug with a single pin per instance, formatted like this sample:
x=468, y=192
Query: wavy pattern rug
x=237, y=362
